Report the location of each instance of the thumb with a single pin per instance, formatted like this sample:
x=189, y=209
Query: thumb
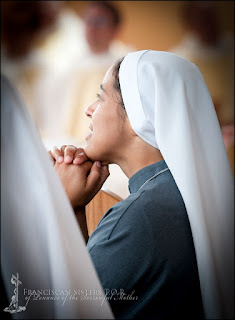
x=97, y=176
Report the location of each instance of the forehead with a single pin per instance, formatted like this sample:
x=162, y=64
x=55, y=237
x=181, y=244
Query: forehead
x=108, y=80
x=97, y=11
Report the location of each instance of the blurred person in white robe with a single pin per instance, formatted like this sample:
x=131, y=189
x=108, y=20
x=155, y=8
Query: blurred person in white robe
x=99, y=49
x=42, y=246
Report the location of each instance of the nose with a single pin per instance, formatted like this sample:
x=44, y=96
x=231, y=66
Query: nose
x=90, y=110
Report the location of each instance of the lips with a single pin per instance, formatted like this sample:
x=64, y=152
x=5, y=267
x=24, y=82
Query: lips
x=90, y=133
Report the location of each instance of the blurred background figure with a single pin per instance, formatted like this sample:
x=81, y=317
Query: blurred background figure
x=100, y=50
x=38, y=44
x=24, y=24
x=212, y=51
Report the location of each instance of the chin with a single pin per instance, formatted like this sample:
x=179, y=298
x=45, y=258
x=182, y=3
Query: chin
x=93, y=153
x=96, y=154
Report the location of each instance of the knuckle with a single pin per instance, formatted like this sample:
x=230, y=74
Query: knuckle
x=80, y=152
x=54, y=149
x=68, y=152
x=71, y=147
x=81, y=156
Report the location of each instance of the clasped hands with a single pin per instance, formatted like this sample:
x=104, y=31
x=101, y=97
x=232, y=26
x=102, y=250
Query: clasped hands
x=81, y=178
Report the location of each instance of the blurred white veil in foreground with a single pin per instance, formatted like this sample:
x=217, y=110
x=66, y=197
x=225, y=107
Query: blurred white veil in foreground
x=40, y=239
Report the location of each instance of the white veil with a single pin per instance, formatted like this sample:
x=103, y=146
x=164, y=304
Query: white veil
x=40, y=237
x=169, y=106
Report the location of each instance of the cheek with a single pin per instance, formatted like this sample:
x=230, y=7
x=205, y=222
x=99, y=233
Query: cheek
x=104, y=143
x=102, y=118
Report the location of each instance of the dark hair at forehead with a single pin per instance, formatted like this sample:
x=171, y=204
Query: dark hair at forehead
x=109, y=7
x=116, y=83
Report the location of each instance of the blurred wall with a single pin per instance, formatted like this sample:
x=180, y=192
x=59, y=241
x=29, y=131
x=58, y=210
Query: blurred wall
x=158, y=25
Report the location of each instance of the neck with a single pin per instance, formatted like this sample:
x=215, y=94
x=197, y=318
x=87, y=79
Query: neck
x=139, y=156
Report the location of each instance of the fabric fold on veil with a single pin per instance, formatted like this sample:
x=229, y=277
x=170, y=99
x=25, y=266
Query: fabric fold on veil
x=169, y=106
x=40, y=237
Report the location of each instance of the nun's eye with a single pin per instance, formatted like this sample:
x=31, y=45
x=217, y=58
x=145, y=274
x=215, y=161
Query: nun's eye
x=98, y=96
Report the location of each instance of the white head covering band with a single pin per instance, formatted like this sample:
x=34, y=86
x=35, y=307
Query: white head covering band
x=169, y=106
x=40, y=237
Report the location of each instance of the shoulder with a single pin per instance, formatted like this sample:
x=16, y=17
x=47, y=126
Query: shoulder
x=159, y=206
x=152, y=208
x=160, y=195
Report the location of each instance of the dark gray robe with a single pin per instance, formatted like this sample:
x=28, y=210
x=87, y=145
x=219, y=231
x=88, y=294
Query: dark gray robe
x=143, y=251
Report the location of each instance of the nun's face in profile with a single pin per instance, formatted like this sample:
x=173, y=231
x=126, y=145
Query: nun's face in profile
x=109, y=126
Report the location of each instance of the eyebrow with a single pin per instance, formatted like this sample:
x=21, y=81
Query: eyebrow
x=102, y=88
